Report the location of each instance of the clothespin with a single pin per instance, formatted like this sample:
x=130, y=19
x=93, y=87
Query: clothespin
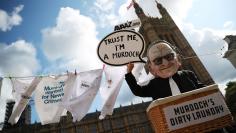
x=75, y=72
x=40, y=76
x=222, y=48
x=9, y=77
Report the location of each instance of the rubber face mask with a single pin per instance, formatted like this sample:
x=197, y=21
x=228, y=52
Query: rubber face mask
x=163, y=60
x=166, y=69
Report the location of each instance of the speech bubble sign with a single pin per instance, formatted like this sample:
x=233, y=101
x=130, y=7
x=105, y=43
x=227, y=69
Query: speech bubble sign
x=121, y=47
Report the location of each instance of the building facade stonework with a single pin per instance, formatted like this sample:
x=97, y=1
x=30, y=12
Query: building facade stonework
x=128, y=119
x=230, y=54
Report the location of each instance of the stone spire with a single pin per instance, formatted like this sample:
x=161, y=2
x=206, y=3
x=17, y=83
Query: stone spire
x=138, y=10
x=162, y=10
x=165, y=15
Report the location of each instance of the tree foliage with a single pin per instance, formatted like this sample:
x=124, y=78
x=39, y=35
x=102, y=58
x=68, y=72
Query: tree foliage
x=230, y=97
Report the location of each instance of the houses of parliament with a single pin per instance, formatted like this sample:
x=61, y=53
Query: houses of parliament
x=127, y=119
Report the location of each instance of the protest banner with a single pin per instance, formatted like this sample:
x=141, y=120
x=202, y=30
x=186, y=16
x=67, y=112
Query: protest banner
x=196, y=111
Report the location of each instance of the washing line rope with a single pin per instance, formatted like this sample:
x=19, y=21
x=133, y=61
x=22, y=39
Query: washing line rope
x=183, y=58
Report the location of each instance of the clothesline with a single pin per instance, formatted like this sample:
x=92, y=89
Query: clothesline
x=190, y=57
x=67, y=93
x=32, y=76
x=183, y=57
x=216, y=52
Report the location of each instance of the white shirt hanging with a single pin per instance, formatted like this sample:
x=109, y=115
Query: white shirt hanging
x=110, y=90
x=48, y=97
x=21, y=93
x=83, y=93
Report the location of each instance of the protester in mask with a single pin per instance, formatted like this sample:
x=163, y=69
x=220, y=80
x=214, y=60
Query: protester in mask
x=163, y=64
x=169, y=80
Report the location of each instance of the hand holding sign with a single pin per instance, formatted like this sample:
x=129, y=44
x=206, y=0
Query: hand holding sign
x=121, y=47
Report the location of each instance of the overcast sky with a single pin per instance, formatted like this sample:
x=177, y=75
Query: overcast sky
x=51, y=37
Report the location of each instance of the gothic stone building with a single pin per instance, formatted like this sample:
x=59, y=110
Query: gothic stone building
x=164, y=28
x=230, y=54
x=130, y=119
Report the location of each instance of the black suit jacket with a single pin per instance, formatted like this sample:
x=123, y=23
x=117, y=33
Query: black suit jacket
x=160, y=88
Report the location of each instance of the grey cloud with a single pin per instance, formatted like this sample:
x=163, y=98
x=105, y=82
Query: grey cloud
x=209, y=47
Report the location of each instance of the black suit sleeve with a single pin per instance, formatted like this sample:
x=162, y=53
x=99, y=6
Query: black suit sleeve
x=137, y=90
x=194, y=78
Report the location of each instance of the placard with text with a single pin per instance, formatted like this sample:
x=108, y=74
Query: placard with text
x=121, y=47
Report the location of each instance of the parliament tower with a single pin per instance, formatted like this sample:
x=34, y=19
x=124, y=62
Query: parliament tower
x=164, y=28
x=230, y=54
